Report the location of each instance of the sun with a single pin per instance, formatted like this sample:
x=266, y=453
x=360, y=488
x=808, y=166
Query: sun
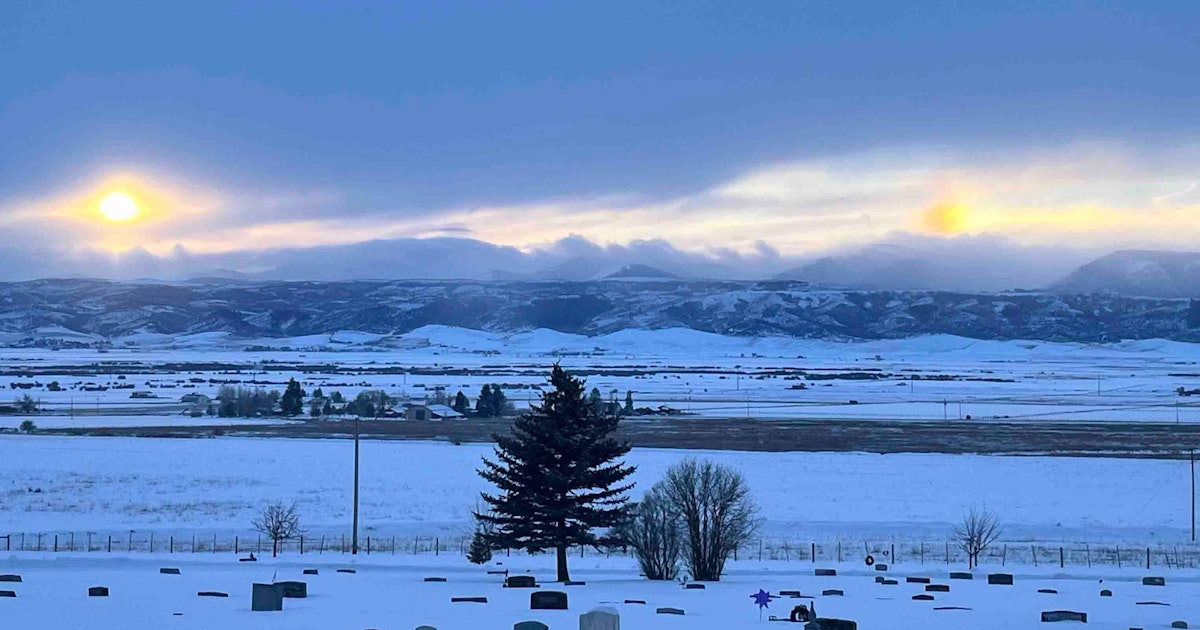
x=118, y=206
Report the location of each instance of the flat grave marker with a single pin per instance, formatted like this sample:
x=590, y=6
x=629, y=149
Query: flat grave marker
x=1052, y=616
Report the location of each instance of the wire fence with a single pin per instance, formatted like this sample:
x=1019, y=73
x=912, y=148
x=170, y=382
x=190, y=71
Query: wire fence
x=946, y=552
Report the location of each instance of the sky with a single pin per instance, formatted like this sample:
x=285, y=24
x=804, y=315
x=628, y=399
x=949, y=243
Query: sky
x=719, y=139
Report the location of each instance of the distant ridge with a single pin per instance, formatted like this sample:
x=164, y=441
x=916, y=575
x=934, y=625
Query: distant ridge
x=640, y=272
x=1137, y=273
x=87, y=309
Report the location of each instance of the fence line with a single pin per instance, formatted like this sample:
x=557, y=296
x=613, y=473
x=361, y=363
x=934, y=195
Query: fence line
x=943, y=552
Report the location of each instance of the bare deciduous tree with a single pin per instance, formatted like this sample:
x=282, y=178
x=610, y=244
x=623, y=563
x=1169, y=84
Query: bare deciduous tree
x=279, y=522
x=654, y=532
x=977, y=531
x=718, y=514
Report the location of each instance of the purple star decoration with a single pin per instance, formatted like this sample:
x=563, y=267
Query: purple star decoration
x=762, y=598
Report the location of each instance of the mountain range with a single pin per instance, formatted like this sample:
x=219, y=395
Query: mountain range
x=36, y=312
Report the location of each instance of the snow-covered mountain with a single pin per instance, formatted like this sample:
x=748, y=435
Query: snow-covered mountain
x=1135, y=272
x=279, y=309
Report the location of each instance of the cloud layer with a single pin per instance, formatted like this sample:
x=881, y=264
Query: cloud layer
x=917, y=216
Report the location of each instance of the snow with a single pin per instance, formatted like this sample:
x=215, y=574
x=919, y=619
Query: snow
x=389, y=592
x=181, y=486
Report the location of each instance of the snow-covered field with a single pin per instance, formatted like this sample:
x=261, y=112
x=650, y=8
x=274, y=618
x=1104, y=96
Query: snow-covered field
x=924, y=378
x=391, y=593
x=193, y=490
x=185, y=486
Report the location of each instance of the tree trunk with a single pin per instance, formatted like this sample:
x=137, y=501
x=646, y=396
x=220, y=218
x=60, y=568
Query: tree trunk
x=563, y=574
x=274, y=547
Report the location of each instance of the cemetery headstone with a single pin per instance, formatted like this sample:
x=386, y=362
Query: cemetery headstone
x=832, y=592
x=825, y=572
x=547, y=600
x=169, y=571
x=10, y=578
x=266, y=598
x=937, y=588
x=211, y=594
x=468, y=600
x=889, y=583
x=98, y=591
x=1182, y=625
x=8, y=594
x=311, y=572
x=789, y=593
x=293, y=589
x=694, y=587
x=879, y=579
x=831, y=624
x=1105, y=593
x=574, y=583
x=1154, y=581
x=600, y=619
x=435, y=579
x=1051, y=616
x=1003, y=579
x=922, y=597
x=636, y=601
x=881, y=567
x=667, y=610
x=426, y=628
x=520, y=581
x=916, y=580
x=1047, y=591
x=530, y=625
x=961, y=575
x=347, y=570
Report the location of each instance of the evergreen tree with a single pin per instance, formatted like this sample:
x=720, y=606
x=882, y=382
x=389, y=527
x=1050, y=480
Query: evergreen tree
x=499, y=401
x=491, y=402
x=595, y=401
x=628, y=401
x=292, y=402
x=483, y=403
x=461, y=403
x=479, y=552
x=560, y=475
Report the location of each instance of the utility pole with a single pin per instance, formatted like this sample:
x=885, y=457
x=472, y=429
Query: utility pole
x=1193, y=458
x=354, y=533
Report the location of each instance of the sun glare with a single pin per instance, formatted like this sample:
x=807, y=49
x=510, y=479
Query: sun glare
x=947, y=219
x=118, y=206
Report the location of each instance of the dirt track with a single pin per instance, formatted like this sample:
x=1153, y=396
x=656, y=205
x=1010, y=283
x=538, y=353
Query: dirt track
x=1107, y=439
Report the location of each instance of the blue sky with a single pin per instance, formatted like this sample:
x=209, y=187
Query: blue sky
x=613, y=121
